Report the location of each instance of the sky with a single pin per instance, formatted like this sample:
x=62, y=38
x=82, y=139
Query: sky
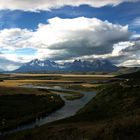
x=65, y=30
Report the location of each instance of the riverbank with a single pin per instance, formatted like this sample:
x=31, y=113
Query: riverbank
x=71, y=94
x=17, y=108
x=69, y=109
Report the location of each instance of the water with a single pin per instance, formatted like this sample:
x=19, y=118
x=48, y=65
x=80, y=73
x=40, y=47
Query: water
x=69, y=109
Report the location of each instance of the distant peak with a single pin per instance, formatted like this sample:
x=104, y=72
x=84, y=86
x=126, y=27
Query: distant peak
x=75, y=61
x=35, y=60
x=76, y=65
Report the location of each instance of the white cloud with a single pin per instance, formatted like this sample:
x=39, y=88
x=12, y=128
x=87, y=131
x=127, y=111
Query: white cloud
x=15, y=38
x=131, y=63
x=79, y=36
x=6, y=64
x=135, y=37
x=124, y=54
x=127, y=53
x=120, y=46
x=136, y=22
x=68, y=37
x=64, y=39
x=36, y=5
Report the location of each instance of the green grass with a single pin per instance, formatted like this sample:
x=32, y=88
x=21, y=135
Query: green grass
x=79, y=88
x=20, y=108
x=74, y=97
x=114, y=100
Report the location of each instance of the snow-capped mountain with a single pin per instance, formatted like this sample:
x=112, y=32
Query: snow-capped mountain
x=97, y=65
x=38, y=65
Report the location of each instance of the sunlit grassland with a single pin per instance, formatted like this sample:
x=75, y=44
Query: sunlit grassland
x=15, y=83
x=80, y=83
x=65, y=75
x=15, y=80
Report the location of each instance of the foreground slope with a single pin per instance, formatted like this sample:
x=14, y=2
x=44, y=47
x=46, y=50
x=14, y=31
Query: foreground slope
x=134, y=75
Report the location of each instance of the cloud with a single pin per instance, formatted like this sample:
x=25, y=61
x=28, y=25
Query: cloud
x=6, y=64
x=68, y=37
x=124, y=54
x=133, y=48
x=136, y=22
x=128, y=55
x=37, y=5
x=135, y=37
x=14, y=38
x=81, y=36
x=131, y=63
x=64, y=39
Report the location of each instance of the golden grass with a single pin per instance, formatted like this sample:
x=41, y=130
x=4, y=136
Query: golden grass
x=87, y=75
x=66, y=75
x=63, y=79
x=27, y=74
x=15, y=83
x=91, y=85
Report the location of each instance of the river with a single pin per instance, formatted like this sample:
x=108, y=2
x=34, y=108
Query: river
x=69, y=109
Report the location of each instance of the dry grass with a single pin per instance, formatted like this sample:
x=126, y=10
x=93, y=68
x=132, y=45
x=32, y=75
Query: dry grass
x=65, y=75
x=15, y=83
x=21, y=79
x=91, y=85
x=88, y=75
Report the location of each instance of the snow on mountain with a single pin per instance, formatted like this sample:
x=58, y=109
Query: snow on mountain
x=97, y=65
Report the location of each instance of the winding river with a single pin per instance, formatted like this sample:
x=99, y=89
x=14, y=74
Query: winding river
x=69, y=109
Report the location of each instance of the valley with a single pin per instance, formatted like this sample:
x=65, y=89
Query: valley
x=29, y=89
x=69, y=70
x=85, y=104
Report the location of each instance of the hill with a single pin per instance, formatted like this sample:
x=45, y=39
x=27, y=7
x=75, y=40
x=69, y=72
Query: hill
x=126, y=70
x=134, y=75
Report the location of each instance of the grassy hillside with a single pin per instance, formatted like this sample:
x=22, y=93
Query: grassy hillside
x=114, y=100
x=134, y=75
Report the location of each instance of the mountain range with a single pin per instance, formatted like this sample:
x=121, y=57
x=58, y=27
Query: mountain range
x=97, y=65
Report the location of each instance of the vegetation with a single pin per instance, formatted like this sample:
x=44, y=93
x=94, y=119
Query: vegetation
x=50, y=79
x=114, y=114
x=79, y=87
x=71, y=95
x=114, y=100
x=74, y=96
x=135, y=75
x=17, y=108
x=28, y=102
